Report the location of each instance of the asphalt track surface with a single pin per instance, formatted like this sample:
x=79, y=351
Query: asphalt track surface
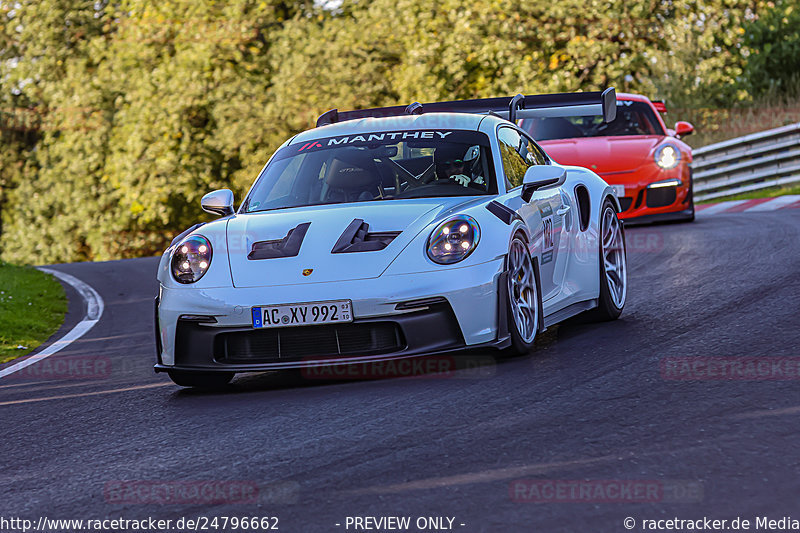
x=591, y=403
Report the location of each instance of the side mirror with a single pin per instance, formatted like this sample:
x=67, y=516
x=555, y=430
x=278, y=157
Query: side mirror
x=539, y=177
x=218, y=202
x=682, y=129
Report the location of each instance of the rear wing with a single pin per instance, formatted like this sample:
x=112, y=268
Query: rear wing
x=597, y=103
x=660, y=106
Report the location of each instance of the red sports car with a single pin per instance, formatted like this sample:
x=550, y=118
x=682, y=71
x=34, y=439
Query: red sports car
x=645, y=162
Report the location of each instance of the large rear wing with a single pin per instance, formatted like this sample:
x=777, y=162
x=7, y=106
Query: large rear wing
x=597, y=103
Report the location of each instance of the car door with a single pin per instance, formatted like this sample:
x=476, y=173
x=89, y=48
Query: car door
x=563, y=218
x=541, y=214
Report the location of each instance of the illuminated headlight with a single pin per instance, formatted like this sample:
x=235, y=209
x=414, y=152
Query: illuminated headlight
x=667, y=156
x=191, y=259
x=453, y=240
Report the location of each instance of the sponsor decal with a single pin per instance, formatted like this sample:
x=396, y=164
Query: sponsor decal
x=307, y=271
x=310, y=145
x=548, y=233
x=396, y=136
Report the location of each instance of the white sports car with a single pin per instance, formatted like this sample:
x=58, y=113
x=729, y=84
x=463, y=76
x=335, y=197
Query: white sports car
x=390, y=233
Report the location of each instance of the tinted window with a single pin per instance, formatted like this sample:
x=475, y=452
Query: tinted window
x=516, y=157
x=375, y=166
x=534, y=153
x=633, y=118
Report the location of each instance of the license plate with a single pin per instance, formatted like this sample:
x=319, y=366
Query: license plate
x=303, y=314
x=620, y=190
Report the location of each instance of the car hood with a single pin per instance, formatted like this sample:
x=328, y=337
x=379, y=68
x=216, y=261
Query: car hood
x=604, y=154
x=327, y=223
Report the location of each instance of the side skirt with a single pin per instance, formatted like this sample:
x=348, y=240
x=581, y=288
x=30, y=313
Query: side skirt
x=569, y=311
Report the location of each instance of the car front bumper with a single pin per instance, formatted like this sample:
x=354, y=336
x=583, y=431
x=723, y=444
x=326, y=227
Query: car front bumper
x=211, y=329
x=642, y=204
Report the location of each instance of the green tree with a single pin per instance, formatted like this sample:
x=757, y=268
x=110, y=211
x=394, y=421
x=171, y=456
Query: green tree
x=773, y=44
x=389, y=51
x=44, y=46
x=135, y=109
x=148, y=104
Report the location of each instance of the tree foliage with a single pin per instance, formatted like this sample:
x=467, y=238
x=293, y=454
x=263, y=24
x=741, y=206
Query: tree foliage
x=773, y=42
x=131, y=111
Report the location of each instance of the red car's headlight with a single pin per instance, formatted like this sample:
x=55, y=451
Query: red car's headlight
x=667, y=156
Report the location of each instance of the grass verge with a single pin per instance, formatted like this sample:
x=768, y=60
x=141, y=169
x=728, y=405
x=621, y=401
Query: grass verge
x=716, y=125
x=32, y=307
x=762, y=193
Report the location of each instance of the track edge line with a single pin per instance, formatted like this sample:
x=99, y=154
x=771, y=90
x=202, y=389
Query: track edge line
x=94, y=311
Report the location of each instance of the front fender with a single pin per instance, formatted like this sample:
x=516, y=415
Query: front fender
x=493, y=244
x=219, y=271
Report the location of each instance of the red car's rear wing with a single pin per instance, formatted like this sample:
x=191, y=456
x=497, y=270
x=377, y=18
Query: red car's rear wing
x=512, y=108
x=660, y=106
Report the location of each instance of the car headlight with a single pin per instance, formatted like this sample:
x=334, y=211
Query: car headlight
x=667, y=156
x=191, y=259
x=453, y=240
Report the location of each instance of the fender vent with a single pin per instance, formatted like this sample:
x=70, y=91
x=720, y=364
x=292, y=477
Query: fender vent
x=357, y=238
x=584, y=205
x=289, y=246
x=506, y=214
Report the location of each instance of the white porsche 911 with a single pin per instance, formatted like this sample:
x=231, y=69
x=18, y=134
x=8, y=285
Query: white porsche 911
x=390, y=233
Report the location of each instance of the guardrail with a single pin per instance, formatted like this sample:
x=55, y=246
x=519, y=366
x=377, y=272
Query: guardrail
x=767, y=159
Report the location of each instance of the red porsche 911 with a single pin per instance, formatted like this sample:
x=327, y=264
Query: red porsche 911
x=647, y=164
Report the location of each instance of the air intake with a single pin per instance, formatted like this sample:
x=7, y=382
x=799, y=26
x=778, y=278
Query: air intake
x=357, y=238
x=289, y=246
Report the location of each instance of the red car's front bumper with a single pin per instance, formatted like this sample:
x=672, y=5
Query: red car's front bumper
x=643, y=202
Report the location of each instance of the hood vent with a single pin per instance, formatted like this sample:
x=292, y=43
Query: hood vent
x=289, y=246
x=357, y=238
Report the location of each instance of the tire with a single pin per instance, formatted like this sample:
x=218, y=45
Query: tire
x=200, y=380
x=691, y=197
x=522, y=293
x=614, y=280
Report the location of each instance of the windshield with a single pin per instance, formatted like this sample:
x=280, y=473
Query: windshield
x=376, y=166
x=633, y=118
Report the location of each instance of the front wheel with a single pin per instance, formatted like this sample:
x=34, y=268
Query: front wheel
x=613, y=265
x=200, y=380
x=523, y=298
